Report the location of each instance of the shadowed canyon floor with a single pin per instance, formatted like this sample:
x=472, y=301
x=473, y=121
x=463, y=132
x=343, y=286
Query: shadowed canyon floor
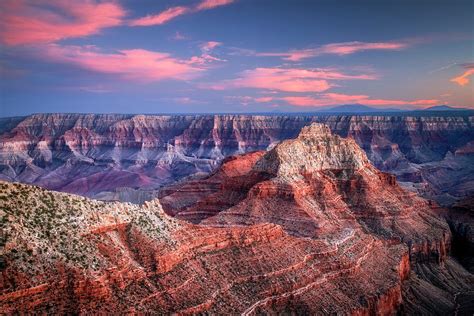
x=309, y=226
x=130, y=157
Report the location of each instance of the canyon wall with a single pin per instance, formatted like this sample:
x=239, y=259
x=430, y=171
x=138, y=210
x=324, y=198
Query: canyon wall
x=308, y=227
x=129, y=157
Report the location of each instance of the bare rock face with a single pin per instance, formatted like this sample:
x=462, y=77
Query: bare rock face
x=307, y=185
x=315, y=149
x=315, y=174
x=309, y=227
x=322, y=187
x=131, y=157
x=65, y=254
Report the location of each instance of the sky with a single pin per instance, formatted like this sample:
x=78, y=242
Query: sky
x=222, y=56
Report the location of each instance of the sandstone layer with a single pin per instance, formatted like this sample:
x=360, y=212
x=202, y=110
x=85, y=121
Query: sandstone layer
x=66, y=254
x=130, y=157
x=309, y=227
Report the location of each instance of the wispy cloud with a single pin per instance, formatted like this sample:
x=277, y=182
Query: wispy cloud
x=88, y=88
x=34, y=22
x=340, y=49
x=206, y=49
x=134, y=64
x=463, y=79
x=174, y=12
x=160, y=18
x=240, y=99
x=327, y=99
x=210, y=4
x=178, y=36
x=187, y=101
x=288, y=79
x=445, y=67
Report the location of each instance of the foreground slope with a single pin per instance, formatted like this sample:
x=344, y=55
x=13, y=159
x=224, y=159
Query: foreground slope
x=65, y=254
x=302, y=228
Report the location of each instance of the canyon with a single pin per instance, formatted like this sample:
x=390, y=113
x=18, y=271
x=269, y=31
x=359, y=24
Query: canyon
x=131, y=158
x=308, y=226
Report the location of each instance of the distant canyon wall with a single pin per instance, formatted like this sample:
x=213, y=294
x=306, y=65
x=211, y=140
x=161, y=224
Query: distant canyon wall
x=129, y=157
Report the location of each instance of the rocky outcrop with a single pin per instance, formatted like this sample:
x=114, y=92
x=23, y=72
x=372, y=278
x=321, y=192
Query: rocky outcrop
x=309, y=227
x=323, y=187
x=308, y=185
x=66, y=255
x=130, y=157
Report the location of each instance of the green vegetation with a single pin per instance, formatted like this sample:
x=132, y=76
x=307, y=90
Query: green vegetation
x=49, y=227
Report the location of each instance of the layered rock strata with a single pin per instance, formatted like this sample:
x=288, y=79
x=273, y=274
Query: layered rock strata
x=129, y=157
x=308, y=227
x=66, y=255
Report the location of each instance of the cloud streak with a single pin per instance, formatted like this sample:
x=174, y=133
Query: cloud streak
x=37, y=22
x=26, y=22
x=340, y=49
x=463, y=79
x=327, y=99
x=174, y=12
x=211, y=4
x=137, y=65
x=160, y=18
x=206, y=49
x=288, y=79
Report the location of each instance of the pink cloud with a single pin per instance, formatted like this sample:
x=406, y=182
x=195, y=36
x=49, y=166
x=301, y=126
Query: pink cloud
x=354, y=47
x=206, y=49
x=33, y=22
x=160, y=18
x=327, y=99
x=288, y=79
x=264, y=99
x=210, y=4
x=463, y=79
x=174, y=12
x=133, y=64
x=187, y=101
x=345, y=48
x=208, y=46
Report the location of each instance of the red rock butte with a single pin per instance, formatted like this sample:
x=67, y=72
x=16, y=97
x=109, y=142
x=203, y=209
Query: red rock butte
x=129, y=158
x=308, y=227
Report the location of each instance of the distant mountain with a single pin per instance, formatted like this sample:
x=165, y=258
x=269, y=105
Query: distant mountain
x=358, y=108
x=444, y=108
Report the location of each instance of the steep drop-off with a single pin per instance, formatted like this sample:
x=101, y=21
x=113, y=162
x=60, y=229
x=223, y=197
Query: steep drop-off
x=129, y=157
x=321, y=186
x=66, y=254
x=302, y=228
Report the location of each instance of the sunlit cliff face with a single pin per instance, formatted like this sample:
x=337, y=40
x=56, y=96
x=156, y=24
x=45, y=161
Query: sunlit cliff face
x=344, y=238
x=129, y=158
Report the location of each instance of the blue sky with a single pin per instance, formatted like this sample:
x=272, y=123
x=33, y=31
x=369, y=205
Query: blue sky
x=140, y=56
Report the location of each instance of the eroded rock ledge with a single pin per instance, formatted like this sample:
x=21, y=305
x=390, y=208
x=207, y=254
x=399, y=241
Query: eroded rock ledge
x=268, y=232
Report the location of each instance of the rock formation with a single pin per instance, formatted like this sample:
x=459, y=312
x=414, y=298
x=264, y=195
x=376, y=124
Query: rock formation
x=309, y=227
x=312, y=186
x=130, y=157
